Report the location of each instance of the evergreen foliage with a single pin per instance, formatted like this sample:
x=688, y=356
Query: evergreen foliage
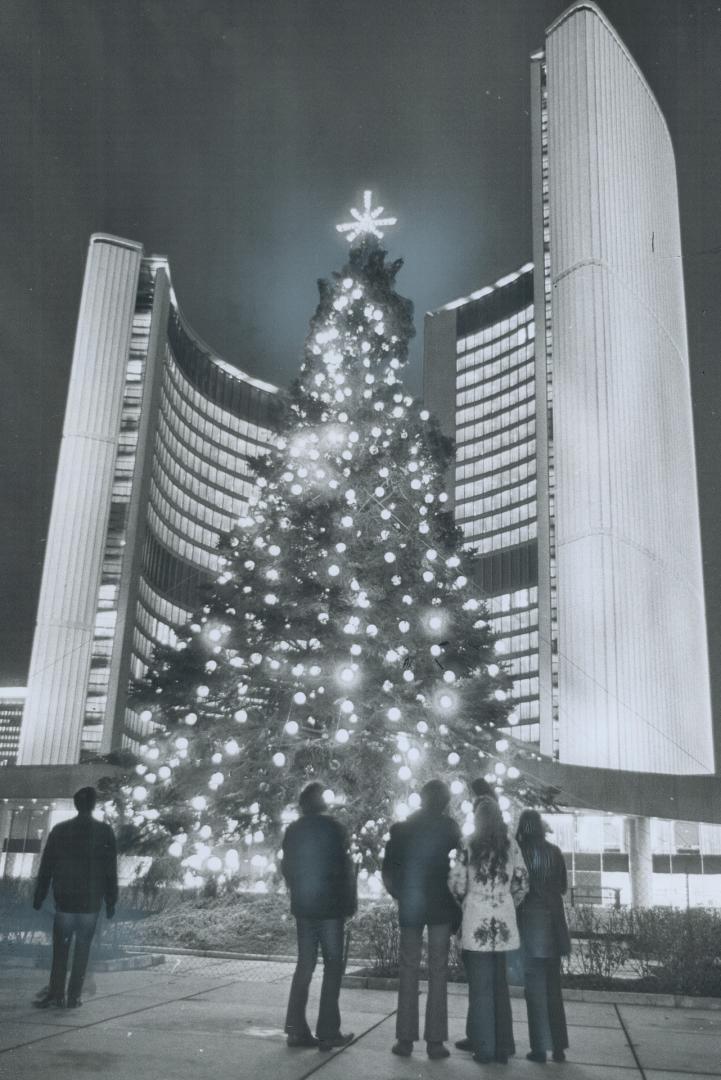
x=345, y=639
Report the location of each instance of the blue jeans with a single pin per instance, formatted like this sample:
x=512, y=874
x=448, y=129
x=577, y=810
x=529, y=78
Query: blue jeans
x=66, y=926
x=328, y=934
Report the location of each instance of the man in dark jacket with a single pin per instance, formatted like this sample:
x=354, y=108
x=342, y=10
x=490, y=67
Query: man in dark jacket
x=320, y=875
x=80, y=860
x=415, y=873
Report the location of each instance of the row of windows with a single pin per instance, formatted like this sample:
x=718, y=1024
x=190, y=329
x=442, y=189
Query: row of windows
x=487, y=365
x=500, y=404
x=180, y=546
x=170, y=613
x=504, y=519
x=499, y=540
x=170, y=425
x=523, y=665
x=496, y=501
x=492, y=443
x=525, y=688
x=519, y=643
x=506, y=478
x=182, y=525
x=153, y=628
x=202, y=407
x=528, y=733
x=492, y=388
x=485, y=426
x=521, y=598
x=232, y=496
x=488, y=333
x=495, y=462
x=200, y=501
x=197, y=464
x=214, y=435
x=511, y=622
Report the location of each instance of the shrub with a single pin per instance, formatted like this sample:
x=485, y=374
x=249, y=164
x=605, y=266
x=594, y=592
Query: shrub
x=376, y=936
x=679, y=950
x=601, y=947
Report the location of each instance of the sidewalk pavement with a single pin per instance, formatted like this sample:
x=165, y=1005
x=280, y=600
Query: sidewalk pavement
x=191, y=1019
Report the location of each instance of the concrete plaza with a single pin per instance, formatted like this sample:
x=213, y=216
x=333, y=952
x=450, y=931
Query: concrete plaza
x=199, y=1018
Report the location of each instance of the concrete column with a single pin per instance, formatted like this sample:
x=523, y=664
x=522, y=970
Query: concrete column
x=57, y=685
x=640, y=860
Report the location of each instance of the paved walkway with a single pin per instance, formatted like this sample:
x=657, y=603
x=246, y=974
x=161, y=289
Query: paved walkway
x=212, y=1020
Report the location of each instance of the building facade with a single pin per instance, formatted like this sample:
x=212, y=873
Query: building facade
x=154, y=465
x=12, y=701
x=566, y=386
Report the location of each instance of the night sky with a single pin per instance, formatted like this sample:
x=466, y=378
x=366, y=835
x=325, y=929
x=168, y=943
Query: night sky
x=231, y=136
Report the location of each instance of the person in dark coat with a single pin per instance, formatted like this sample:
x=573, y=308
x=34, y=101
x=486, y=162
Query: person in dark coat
x=544, y=938
x=415, y=873
x=320, y=875
x=80, y=862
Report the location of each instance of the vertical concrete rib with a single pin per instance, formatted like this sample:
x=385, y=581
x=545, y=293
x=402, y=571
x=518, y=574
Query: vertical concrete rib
x=633, y=664
x=57, y=684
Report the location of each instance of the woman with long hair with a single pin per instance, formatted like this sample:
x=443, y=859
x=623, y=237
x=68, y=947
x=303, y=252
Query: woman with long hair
x=544, y=939
x=489, y=880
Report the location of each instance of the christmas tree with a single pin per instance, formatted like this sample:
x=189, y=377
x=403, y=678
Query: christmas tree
x=345, y=639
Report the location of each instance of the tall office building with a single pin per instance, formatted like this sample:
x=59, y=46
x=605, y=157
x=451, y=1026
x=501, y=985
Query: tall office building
x=566, y=386
x=153, y=466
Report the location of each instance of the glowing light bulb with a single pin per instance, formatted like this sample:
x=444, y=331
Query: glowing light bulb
x=333, y=570
x=278, y=759
x=292, y=727
x=299, y=697
x=453, y=758
x=404, y=773
x=342, y=736
x=140, y=794
x=240, y=716
x=394, y=713
x=456, y=787
x=199, y=802
x=389, y=557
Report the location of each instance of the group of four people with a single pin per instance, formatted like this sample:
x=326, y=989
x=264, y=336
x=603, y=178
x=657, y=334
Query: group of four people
x=498, y=892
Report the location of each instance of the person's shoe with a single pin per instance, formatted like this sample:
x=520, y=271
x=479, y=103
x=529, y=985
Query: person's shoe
x=464, y=1044
x=539, y=1056
x=336, y=1042
x=48, y=1000
x=302, y=1041
x=74, y=1002
x=483, y=1059
x=558, y=1055
x=402, y=1048
x=436, y=1051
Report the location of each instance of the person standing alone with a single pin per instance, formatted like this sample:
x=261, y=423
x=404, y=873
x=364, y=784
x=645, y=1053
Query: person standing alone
x=80, y=862
x=320, y=876
x=415, y=873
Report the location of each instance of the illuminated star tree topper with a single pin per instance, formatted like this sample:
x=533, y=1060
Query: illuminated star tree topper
x=367, y=220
